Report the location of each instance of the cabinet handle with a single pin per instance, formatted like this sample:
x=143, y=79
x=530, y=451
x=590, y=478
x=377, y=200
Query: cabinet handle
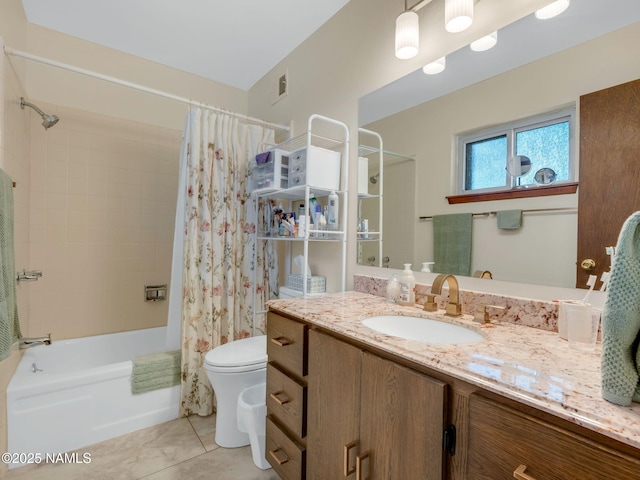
x=278, y=400
x=347, y=449
x=282, y=459
x=281, y=341
x=520, y=475
x=359, y=460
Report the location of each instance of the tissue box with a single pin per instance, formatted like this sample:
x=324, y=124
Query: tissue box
x=315, y=283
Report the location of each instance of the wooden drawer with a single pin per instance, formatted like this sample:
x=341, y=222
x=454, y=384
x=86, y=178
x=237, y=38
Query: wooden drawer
x=502, y=439
x=285, y=456
x=287, y=342
x=287, y=401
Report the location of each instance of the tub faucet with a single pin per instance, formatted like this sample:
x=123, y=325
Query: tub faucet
x=453, y=308
x=32, y=342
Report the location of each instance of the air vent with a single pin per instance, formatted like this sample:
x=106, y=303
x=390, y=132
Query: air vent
x=280, y=87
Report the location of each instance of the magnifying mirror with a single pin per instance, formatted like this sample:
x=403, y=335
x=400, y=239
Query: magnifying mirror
x=545, y=176
x=518, y=165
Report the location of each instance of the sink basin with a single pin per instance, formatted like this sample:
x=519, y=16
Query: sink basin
x=422, y=329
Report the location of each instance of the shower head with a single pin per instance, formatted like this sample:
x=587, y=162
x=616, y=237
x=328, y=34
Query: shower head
x=374, y=179
x=47, y=120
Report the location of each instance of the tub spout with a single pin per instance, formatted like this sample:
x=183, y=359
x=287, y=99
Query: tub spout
x=32, y=342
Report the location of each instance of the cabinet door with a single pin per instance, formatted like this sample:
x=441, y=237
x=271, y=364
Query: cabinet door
x=333, y=406
x=502, y=440
x=401, y=422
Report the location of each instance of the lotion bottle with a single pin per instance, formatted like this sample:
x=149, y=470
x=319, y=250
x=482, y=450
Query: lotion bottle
x=332, y=211
x=407, y=286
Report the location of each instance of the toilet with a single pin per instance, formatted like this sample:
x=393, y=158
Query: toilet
x=252, y=419
x=231, y=368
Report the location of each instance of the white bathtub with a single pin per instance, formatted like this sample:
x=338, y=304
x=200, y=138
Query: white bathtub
x=83, y=393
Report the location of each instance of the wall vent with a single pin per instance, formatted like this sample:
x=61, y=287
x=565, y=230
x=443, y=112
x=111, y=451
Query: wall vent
x=280, y=87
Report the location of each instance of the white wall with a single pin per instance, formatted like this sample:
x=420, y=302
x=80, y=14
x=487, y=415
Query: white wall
x=352, y=55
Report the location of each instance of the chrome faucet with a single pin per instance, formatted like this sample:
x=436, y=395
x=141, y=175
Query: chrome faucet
x=32, y=342
x=453, y=308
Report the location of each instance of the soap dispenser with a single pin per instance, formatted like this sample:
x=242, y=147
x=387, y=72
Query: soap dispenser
x=407, y=286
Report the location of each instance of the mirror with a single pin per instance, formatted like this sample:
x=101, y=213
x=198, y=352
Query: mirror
x=517, y=166
x=536, y=67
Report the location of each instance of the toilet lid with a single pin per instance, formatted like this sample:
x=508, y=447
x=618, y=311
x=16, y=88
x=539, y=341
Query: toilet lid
x=248, y=351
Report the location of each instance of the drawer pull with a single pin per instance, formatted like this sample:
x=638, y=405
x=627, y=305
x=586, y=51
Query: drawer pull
x=359, y=461
x=520, y=475
x=280, y=459
x=276, y=397
x=347, y=449
x=281, y=341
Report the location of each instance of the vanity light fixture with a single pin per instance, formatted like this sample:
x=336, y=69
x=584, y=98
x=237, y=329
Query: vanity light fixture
x=435, y=67
x=407, y=34
x=458, y=15
x=485, y=43
x=552, y=10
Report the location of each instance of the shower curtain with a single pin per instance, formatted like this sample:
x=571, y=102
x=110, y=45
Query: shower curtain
x=218, y=254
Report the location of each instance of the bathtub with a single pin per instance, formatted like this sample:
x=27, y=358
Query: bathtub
x=80, y=393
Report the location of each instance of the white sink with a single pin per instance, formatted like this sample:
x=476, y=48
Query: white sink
x=422, y=329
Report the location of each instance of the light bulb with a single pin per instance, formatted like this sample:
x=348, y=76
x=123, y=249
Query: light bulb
x=435, y=67
x=553, y=9
x=407, y=35
x=485, y=43
x=458, y=15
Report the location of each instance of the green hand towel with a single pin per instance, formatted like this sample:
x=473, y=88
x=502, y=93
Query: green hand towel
x=509, y=219
x=620, y=362
x=9, y=326
x=158, y=370
x=452, y=243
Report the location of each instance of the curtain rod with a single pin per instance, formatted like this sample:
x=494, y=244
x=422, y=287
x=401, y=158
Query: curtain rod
x=533, y=210
x=142, y=88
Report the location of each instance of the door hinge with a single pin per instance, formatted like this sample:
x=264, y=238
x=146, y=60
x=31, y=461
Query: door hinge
x=449, y=440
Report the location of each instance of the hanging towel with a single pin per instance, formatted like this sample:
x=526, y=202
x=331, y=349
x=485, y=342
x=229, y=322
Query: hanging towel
x=620, y=362
x=155, y=371
x=452, y=243
x=509, y=219
x=9, y=326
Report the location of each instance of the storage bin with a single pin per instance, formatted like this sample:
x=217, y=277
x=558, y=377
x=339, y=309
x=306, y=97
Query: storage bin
x=270, y=171
x=316, y=166
x=315, y=283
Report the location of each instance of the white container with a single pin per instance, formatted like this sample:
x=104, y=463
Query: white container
x=252, y=413
x=363, y=176
x=317, y=167
x=407, y=286
x=272, y=173
x=333, y=210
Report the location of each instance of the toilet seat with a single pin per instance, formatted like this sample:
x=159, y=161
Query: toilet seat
x=243, y=355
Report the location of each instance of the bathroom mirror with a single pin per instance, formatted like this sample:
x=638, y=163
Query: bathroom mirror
x=536, y=67
x=518, y=165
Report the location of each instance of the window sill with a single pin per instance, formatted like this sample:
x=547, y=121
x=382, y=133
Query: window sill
x=560, y=189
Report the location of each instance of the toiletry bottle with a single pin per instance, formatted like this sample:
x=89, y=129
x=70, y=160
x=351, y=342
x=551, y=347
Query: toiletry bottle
x=332, y=211
x=407, y=286
x=393, y=289
x=301, y=210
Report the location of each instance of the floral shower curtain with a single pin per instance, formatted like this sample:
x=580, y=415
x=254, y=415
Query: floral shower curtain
x=220, y=223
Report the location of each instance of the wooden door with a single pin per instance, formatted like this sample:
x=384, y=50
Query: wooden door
x=333, y=406
x=401, y=422
x=609, y=172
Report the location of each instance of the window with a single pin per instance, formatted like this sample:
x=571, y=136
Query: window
x=547, y=140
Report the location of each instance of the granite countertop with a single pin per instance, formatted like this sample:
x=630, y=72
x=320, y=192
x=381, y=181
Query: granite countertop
x=530, y=365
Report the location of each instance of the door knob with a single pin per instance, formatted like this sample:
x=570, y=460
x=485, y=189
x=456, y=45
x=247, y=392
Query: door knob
x=588, y=264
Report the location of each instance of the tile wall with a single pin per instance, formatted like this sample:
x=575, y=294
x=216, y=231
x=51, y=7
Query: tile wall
x=103, y=196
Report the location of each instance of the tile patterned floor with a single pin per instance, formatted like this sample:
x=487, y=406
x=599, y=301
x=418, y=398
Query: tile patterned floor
x=179, y=449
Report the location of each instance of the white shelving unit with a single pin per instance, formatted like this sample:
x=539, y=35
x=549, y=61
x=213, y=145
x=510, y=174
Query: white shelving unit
x=337, y=140
x=371, y=152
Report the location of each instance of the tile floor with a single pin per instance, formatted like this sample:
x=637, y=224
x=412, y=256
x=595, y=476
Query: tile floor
x=179, y=449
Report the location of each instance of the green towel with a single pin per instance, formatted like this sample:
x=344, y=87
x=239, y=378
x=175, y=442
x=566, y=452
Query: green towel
x=509, y=219
x=620, y=362
x=9, y=325
x=452, y=243
x=158, y=370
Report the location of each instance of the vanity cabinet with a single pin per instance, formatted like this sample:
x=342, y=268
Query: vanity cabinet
x=507, y=443
x=369, y=417
x=287, y=351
